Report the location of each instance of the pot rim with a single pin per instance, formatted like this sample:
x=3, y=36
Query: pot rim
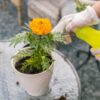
x=13, y=66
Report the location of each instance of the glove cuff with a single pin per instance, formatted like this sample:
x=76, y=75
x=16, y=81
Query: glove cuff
x=92, y=14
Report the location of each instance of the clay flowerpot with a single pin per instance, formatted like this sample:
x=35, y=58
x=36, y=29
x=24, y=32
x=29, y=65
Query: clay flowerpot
x=34, y=84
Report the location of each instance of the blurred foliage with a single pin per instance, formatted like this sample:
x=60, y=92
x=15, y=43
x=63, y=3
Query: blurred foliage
x=79, y=6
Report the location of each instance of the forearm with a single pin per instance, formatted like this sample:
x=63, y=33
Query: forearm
x=97, y=8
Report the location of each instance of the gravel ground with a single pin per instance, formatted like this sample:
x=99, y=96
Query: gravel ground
x=8, y=19
x=89, y=73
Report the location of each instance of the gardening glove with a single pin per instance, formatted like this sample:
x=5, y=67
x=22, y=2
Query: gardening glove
x=60, y=27
x=84, y=18
x=96, y=53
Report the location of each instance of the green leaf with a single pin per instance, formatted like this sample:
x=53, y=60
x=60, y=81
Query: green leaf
x=19, y=38
x=39, y=52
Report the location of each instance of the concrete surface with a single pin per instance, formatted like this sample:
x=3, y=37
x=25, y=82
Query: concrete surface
x=65, y=81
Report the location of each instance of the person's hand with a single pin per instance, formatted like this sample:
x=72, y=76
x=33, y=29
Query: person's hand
x=70, y=22
x=96, y=53
x=60, y=27
x=84, y=18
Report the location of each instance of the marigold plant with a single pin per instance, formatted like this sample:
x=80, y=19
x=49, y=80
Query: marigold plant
x=40, y=43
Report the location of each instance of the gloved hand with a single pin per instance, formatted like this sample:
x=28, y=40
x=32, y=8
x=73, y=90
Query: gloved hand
x=96, y=53
x=60, y=27
x=84, y=18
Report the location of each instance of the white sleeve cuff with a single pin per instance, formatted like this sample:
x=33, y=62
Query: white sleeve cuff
x=93, y=15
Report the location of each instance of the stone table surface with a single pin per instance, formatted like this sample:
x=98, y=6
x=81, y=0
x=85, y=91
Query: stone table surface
x=65, y=80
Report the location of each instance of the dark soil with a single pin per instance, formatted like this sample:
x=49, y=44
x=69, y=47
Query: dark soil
x=20, y=62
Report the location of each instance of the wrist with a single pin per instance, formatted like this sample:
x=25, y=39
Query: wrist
x=96, y=7
x=91, y=15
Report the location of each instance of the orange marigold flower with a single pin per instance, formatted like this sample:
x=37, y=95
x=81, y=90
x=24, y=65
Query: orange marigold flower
x=40, y=26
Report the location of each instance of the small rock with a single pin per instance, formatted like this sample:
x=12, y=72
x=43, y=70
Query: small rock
x=17, y=83
x=61, y=98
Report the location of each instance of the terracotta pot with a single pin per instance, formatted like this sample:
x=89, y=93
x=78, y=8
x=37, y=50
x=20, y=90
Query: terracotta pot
x=34, y=84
